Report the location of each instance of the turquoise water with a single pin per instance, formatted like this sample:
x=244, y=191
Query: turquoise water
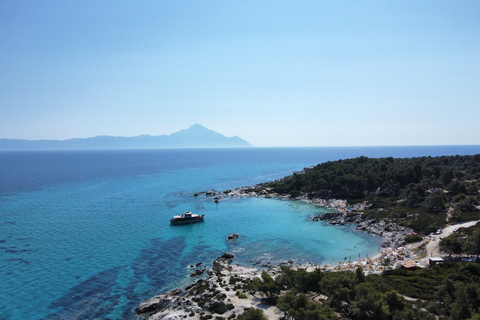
x=86, y=234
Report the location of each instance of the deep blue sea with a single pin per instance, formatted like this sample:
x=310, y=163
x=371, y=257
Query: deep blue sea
x=86, y=234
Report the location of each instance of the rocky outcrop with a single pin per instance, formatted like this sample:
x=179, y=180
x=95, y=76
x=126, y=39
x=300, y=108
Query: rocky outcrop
x=394, y=234
x=222, y=263
x=341, y=213
x=197, y=273
x=233, y=236
x=150, y=305
x=158, y=303
x=336, y=217
x=222, y=294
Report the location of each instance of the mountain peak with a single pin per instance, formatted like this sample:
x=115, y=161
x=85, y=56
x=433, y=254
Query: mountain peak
x=197, y=127
x=196, y=136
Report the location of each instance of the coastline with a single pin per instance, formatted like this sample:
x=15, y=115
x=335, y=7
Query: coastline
x=223, y=285
x=222, y=292
x=340, y=213
x=220, y=288
x=395, y=251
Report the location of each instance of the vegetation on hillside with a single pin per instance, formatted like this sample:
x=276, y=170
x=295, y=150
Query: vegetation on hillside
x=422, y=193
x=449, y=290
x=463, y=241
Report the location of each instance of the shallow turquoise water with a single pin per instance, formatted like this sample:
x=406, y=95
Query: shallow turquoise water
x=87, y=235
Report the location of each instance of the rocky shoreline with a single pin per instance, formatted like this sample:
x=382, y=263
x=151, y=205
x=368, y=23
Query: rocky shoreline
x=340, y=213
x=225, y=292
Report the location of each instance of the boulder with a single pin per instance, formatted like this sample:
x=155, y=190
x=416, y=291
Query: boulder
x=197, y=272
x=163, y=303
x=233, y=236
x=176, y=292
x=223, y=263
x=155, y=304
x=149, y=305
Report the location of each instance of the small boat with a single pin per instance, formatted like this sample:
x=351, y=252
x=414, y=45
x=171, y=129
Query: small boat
x=186, y=218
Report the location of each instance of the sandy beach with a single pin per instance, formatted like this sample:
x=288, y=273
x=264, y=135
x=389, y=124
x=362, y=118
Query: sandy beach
x=391, y=258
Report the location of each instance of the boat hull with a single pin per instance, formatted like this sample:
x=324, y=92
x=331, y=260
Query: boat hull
x=189, y=220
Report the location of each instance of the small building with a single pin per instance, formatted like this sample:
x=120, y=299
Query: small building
x=434, y=261
x=410, y=265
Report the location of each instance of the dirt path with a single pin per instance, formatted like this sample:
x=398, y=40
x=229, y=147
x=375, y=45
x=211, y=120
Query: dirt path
x=432, y=246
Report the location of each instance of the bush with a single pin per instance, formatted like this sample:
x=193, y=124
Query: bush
x=253, y=314
x=434, y=307
x=413, y=238
x=218, y=307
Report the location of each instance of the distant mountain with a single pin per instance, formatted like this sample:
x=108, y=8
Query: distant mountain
x=197, y=136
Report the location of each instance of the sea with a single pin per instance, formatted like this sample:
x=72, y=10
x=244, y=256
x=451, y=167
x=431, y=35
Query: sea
x=86, y=234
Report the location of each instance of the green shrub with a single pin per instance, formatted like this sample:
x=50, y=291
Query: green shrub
x=218, y=307
x=413, y=238
x=253, y=314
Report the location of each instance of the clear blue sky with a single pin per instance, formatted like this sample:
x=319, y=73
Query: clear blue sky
x=275, y=73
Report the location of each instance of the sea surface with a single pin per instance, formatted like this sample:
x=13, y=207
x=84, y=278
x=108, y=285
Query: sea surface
x=86, y=234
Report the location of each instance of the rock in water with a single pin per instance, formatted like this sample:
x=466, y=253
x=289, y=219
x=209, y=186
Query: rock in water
x=149, y=306
x=223, y=262
x=233, y=236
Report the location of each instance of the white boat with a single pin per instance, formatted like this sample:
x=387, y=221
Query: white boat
x=187, y=218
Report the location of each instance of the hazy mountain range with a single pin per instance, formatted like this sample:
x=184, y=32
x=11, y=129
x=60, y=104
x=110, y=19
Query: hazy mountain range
x=197, y=136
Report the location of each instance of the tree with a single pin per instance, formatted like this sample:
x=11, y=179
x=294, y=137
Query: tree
x=360, y=275
x=446, y=293
x=369, y=303
x=268, y=286
x=338, y=286
x=253, y=314
x=447, y=175
x=434, y=201
x=476, y=243
x=461, y=301
x=299, y=307
x=395, y=301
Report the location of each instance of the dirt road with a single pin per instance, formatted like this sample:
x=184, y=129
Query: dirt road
x=432, y=246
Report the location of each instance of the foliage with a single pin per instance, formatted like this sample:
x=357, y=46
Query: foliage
x=253, y=314
x=421, y=193
x=218, y=307
x=463, y=241
x=267, y=286
x=414, y=192
x=413, y=238
x=301, y=307
x=450, y=290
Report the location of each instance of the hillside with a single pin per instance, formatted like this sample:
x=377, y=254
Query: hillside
x=197, y=136
x=422, y=193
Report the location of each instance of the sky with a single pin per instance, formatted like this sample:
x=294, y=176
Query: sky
x=275, y=73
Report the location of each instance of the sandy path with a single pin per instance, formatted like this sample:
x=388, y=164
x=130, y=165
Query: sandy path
x=432, y=246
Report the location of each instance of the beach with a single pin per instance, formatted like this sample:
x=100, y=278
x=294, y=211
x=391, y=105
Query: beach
x=390, y=257
x=80, y=225
x=177, y=304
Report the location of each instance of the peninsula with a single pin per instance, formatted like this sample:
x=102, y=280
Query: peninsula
x=196, y=136
x=412, y=203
